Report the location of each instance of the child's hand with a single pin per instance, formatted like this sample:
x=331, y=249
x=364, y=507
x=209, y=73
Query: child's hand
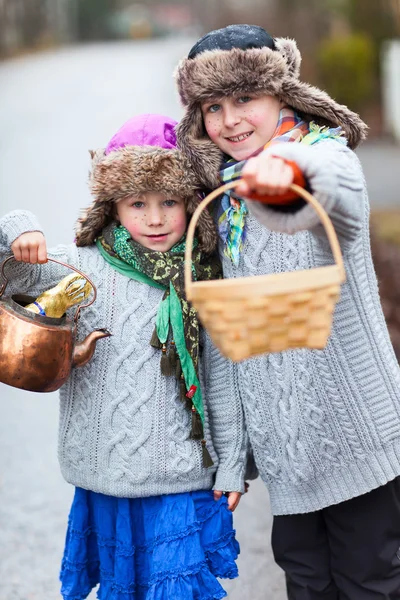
x=233, y=498
x=267, y=178
x=265, y=175
x=30, y=248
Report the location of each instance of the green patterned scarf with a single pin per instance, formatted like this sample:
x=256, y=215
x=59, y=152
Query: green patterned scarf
x=177, y=331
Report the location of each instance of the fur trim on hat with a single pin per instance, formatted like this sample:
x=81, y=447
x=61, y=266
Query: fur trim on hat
x=132, y=171
x=217, y=73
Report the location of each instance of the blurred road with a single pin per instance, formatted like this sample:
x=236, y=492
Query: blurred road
x=53, y=108
x=381, y=164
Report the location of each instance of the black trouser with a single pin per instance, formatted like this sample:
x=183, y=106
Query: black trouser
x=349, y=551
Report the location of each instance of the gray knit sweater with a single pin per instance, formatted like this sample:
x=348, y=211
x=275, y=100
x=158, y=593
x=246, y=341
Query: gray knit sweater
x=324, y=424
x=123, y=430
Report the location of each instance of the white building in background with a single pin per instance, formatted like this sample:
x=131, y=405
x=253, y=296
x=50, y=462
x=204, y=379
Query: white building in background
x=391, y=88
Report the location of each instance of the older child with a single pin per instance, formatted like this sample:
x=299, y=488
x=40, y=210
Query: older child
x=135, y=424
x=324, y=425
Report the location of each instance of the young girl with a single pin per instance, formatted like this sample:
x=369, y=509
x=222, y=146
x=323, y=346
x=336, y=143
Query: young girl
x=135, y=423
x=324, y=425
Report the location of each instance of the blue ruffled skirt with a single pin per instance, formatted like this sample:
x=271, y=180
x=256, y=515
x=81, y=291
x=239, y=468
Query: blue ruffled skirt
x=169, y=547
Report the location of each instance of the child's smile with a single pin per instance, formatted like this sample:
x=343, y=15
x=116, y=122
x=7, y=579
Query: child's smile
x=240, y=126
x=240, y=138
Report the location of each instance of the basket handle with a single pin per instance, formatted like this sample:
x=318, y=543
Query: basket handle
x=326, y=222
x=5, y=283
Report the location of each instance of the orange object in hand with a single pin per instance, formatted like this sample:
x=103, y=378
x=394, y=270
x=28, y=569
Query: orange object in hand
x=287, y=198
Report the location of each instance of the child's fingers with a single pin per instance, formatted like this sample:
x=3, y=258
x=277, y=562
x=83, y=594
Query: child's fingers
x=33, y=254
x=25, y=252
x=42, y=252
x=233, y=500
x=265, y=175
x=251, y=167
x=16, y=250
x=243, y=189
x=249, y=174
x=30, y=247
x=273, y=177
x=280, y=178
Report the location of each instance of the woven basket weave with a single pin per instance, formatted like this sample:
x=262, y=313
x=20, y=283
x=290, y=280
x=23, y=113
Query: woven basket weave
x=247, y=316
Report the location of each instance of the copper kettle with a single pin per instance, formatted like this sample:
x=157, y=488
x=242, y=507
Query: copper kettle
x=38, y=352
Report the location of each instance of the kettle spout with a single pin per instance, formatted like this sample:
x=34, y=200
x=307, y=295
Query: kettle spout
x=84, y=351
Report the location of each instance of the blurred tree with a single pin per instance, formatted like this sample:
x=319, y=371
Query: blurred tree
x=307, y=21
x=374, y=20
x=373, y=17
x=23, y=24
x=295, y=14
x=33, y=22
x=92, y=17
x=347, y=69
x=213, y=14
x=394, y=7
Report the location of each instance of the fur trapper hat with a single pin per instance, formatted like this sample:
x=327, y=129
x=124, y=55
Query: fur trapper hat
x=245, y=59
x=141, y=157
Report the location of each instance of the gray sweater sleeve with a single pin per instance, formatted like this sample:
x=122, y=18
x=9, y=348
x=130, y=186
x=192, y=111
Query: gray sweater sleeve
x=226, y=419
x=24, y=277
x=335, y=178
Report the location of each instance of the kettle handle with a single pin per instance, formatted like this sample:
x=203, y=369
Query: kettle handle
x=5, y=283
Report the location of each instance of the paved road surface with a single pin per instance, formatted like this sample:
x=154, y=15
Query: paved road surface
x=53, y=107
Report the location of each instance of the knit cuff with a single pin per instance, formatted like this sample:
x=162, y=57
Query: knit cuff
x=230, y=481
x=17, y=222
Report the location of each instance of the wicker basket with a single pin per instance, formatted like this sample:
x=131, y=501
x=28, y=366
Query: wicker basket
x=267, y=313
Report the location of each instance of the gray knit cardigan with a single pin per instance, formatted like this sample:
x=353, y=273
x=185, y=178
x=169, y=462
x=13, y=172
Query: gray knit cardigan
x=123, y=430
x=324, y=424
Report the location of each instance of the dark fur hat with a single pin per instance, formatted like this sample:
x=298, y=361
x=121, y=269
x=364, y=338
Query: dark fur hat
x=131, y=170
x=244, y=59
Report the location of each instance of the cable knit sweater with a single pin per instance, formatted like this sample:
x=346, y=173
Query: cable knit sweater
x=123, y=430
x=324, y=424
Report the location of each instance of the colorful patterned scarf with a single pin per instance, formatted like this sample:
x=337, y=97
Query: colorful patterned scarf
x=290, y=128
x=177, y=327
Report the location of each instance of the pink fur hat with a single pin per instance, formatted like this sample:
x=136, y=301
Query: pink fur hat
x=141, y=157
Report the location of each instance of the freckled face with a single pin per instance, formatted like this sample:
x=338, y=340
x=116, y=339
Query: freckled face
x=240, y=126
x=153, y=220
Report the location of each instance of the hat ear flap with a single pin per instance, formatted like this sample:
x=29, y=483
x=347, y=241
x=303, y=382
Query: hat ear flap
x=288, y=49
x=313, y=103
x=95, y=217
x=92, y=221
x=204, y=156
x=206, y=228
